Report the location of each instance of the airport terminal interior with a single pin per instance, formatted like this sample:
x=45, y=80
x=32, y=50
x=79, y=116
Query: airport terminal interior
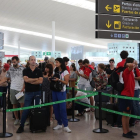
x=78, y=61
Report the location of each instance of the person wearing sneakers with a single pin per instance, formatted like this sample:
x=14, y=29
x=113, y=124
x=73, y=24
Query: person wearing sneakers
x=88, y=76
x=3, y=86
x=17, y=85
x=33, y=79
x=60, y=109
x=128, y=91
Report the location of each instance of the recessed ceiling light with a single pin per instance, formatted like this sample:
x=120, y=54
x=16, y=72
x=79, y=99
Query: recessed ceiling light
x=50, y=37
x=79, y=3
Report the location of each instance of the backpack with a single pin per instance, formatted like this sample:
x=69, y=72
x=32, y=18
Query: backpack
x=114, y=79
x=94, y=74
x=56, y=85
x=136, y=75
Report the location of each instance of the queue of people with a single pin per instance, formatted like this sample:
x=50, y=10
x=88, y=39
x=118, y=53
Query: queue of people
x=54, y=76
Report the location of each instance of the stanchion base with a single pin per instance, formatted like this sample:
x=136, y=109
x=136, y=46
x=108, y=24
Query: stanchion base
x=100, y=130
x=6, y=135
x=73, y=120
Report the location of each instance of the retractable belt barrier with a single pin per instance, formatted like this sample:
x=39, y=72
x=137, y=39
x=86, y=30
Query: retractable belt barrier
x=52, y=103
x=99, y=130
x=1, y=93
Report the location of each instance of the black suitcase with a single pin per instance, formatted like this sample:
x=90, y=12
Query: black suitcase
x=38, y=119
x=104, y=98
x=111, y=118
x=103, y=112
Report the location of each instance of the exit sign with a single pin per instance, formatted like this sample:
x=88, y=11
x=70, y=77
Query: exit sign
x=46, y=53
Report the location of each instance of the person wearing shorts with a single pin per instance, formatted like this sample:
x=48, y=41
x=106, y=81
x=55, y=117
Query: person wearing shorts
x=125, y=105
x=15, y=74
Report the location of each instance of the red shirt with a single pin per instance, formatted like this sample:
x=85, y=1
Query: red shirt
x=137, y=72
x=121, y=64
x=82, y=68
x=68, y=69
x=129, y=83
x=87, y=70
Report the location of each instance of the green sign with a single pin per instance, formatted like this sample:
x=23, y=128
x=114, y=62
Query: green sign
x=46, y=53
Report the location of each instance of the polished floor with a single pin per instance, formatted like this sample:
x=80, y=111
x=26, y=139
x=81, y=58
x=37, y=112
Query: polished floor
x=81, y=130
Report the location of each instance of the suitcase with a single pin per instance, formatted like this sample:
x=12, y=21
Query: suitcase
x=103, y=112
x=104, y=98
x=38, y=119
x=111, y=118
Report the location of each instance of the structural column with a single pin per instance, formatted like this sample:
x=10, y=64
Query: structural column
x=53, y=37
x=19, y=48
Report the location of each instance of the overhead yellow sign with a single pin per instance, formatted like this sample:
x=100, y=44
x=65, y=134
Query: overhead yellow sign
x=108, y=25
x=108, y=8
x=117, y=25
x=116, y=9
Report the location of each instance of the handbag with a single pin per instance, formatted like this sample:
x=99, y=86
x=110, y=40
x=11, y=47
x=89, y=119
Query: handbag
x=56, y=86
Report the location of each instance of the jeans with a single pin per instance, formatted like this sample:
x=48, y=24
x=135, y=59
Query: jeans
x=60, y=109
x=82, y=87
x=2, y=89
x=29, y=97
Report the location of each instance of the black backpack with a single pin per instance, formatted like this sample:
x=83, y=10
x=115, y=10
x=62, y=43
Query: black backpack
x=114, y=79
x=136, y=75
x=56, y=86
x=94, y=74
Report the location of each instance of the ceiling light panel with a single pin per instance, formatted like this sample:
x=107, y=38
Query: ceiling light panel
x=79, y=3
x=50, y=36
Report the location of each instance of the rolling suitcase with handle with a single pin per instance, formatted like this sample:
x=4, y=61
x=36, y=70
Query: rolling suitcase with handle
x=38, y=118
x=103, y=112
x=111, y=118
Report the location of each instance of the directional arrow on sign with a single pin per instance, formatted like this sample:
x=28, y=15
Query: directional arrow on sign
x=108, y=25
x=108, y=8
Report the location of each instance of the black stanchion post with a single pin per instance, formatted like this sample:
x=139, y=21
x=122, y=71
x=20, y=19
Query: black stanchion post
x=113, y=100
x=4, y=134
x=100, y=129
x=73, y=108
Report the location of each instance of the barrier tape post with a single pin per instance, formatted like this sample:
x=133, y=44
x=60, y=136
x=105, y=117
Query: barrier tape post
x=100, y=129
x=73, y=108
x=4, y=134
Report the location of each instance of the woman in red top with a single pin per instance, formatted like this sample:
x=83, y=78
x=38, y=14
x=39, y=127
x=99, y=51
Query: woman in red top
x=125, y=104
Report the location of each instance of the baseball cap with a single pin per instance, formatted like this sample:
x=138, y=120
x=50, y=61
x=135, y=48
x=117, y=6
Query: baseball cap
x=6, y=66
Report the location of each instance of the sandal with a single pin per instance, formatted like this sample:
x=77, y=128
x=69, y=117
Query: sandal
x=92, y=110
x=83, y=112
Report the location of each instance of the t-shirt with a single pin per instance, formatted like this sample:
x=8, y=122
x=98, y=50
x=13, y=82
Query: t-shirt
x=121, y=64
x=88, y=73
x=62, y=76
x=82, y=81
x=68, y=69
x=37, y=73
x=129, y=83
x=137, y=86
x=84, y=100
x=16, y=76
x=73, y=75
x=109, y=72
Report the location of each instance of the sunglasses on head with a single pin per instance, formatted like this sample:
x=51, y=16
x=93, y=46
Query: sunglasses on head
x=111, y=61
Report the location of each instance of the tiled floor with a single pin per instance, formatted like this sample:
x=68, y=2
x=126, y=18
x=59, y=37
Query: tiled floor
x=81, y=130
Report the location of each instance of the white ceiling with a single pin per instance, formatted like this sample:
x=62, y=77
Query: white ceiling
x=37, y=16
